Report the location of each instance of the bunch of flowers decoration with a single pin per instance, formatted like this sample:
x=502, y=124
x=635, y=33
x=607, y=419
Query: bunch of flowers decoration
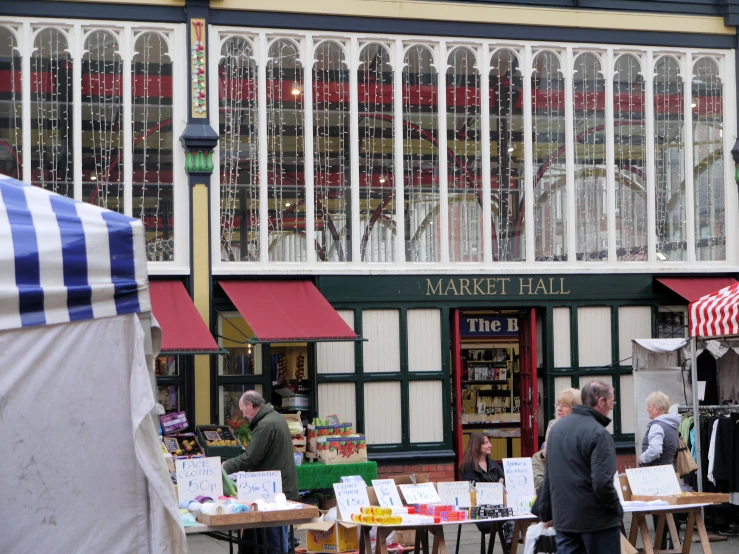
x=198, y=69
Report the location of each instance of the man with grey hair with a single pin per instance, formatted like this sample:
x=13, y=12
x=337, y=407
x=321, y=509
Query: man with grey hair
x=578, y=493
x=270, y=449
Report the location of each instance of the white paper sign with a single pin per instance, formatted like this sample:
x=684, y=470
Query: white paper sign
x=350, y=497
x=519, y=480
x=199, y=477
x=422, y=493
x=653, y=481
x=255, y=485
x=489, y=494
x=387, y=493
x=456, y=493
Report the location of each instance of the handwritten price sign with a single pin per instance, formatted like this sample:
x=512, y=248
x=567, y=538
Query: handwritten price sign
x=258, y=485
x=456, y=493
x=489, y=493
x=653, y=481
x=387, y=493
x=350, y=497
x=422, y=493
x=199, y=477
x=519, y=480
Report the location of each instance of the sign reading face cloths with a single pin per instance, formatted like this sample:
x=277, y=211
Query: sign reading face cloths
x=258, y=485
x=456, y=493
x=199, y=477
x=387, y=493
x=519, y=480
x=653, y=481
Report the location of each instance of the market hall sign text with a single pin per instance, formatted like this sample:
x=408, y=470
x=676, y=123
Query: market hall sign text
x=497, y=286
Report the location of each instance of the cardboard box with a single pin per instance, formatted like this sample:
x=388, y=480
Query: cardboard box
x=316, y=431
x=342, y=450
x=295, y=423
x=327, y=536
x=209, y=433
x=299, y=444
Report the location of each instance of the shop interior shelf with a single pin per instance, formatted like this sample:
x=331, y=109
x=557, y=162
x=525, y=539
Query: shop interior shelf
x=486, y=382
x=492, y=424
x=493, y=393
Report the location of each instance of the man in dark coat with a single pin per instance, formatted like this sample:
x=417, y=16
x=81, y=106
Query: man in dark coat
x=270, y=449
x=578, y=492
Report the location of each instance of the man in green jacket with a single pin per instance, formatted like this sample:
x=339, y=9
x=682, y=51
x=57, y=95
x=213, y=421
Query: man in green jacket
x=270, y=449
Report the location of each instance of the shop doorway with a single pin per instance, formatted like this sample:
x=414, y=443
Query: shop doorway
x=494, y=380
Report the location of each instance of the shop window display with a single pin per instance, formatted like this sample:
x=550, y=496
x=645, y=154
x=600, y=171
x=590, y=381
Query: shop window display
x=11, y=129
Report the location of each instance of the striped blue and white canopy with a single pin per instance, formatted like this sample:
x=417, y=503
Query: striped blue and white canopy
x=62, y=260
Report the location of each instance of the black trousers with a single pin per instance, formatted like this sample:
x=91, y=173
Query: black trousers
x=602, y=542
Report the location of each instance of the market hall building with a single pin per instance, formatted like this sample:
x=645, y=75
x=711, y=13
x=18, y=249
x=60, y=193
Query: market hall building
x=485, y=201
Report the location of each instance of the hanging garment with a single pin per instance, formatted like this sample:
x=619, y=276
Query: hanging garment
x=707, y=372
x=712, y=452
x=728, y=377
x=684, y=428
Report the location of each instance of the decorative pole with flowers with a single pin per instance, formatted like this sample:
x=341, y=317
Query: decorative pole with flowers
x=199, y=140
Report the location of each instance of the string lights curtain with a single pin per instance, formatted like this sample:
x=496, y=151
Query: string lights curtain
x=11, y=126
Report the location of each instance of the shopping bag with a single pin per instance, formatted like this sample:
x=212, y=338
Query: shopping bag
x=684, y=462
x=540, y=539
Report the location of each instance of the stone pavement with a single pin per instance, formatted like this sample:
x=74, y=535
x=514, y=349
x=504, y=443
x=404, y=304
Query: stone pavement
x=469, y=544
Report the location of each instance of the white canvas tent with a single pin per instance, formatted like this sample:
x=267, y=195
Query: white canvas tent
x=82, y=466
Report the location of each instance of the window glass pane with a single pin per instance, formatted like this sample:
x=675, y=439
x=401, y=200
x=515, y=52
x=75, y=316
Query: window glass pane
x=151, y=89
x=669, y=146
x=239, y=151
x=241, y=361
x=506, y=157
x=169, y=397
x=166, y=366
x=331, y=163
x=51, y=113
x=11, y=126
x=376, y=150
x=464, y=159
x=228, y=404
x=286, y=189
x=708, y=161
x=629, y=139
x=550, y=190
x=591, y=208
x=420, y=155
x=102, y=122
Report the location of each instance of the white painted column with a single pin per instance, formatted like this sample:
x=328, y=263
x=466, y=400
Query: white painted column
x=731, y=209
x=127, y=46
x=353, y=66
x=651, y=173
x=487, y=212
x=310, y=201
x=570, y=161
x=78, y=50
x=26, y=48
x=398, y=157
x=528, y=155
x=263, y=173
x=608, y=75
x=690, y=200
x=441, y=64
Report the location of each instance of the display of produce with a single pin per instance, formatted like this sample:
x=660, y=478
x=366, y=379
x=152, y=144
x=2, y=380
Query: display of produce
x=341, y=450
x=219, y=440
x=322, y=428
x=300, y=367
x=183, y=446
x=282, y=368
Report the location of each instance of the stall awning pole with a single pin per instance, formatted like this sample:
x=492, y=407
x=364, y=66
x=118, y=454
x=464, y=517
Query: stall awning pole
x=696, y=412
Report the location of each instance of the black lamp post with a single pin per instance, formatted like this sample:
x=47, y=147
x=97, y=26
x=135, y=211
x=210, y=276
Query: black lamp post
x=735, y=155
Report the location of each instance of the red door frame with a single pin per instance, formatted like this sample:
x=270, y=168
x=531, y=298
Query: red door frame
x=529, y=384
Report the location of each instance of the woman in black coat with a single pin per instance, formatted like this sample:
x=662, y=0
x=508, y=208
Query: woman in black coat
x=476, y=465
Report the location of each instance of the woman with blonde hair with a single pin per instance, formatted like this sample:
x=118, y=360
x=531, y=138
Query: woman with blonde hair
x=566, y=399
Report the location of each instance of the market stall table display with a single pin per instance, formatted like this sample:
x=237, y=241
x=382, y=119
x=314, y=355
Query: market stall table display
x=323, y=476
x=436, y=530
x=665, y=514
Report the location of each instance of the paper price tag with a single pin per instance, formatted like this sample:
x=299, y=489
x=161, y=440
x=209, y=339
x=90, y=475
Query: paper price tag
x=199, y=477
x=653, y=481
x=350, y=497
x=456, y=493
x=519, y=480
x=422, y=493
x=489, y=493
x=387, y=493
x=258, y=485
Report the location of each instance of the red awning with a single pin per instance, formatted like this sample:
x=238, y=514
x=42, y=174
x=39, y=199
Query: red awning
x=287, y=311
x=692, y=288
x=183, y=330
x=717, y=314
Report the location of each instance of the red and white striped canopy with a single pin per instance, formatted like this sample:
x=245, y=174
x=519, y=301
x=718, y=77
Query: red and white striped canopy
x=716, y=314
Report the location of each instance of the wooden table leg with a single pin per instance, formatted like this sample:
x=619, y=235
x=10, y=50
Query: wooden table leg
x=688, y=540
x=417, y=542
x=381, y=540
x=659, y=532
x=648, y=548
x=424, y=540
x=676, y=545
x=439, y=540
x=518, y=530
x=365, y=541
x=702, y=532
x=634, y=531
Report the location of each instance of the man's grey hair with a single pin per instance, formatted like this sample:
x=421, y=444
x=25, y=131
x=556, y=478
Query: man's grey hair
x=254, y=397
x=593, y=391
